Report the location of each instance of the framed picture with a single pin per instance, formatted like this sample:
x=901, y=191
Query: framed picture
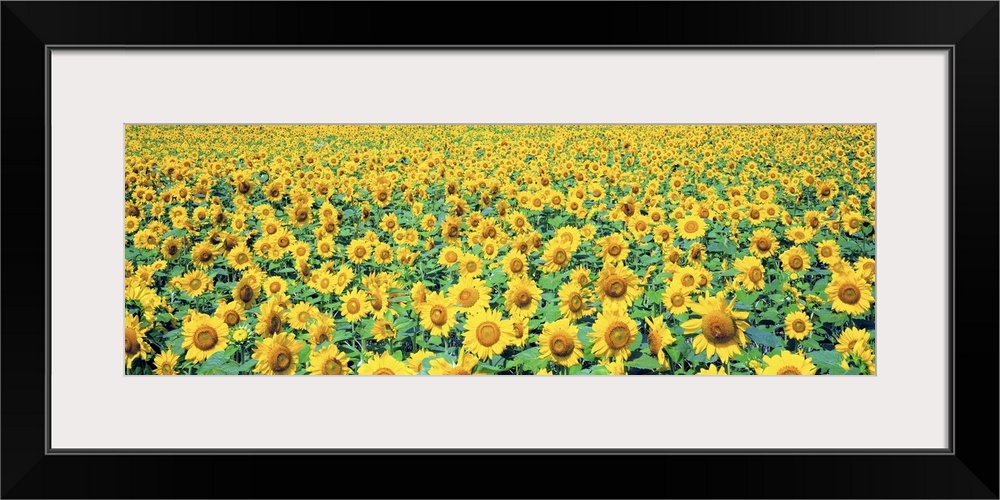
x=296, y=176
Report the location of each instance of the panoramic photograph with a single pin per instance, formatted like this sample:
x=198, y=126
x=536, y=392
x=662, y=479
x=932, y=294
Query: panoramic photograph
x=499, y=249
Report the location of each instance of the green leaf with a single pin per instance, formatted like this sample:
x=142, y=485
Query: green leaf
x=213, y=362
x=764, y=338
x=811, y=343
x=549, y=282
x=645, y=362
x=825, y=360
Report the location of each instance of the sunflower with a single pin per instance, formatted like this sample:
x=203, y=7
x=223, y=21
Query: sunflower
x=470, y=265
x=355, y=305
x=451, y=230
x=659, y=338
x=865, y=266
x=515, y=264
x=573, y=301
x=325, y=247
x=275, y=285
x=580, y=275
x=849, y=338
x=559, y=342
x=675, y=298
x=612, y=335
x=270, y=319
x=852, y=222
x=437, y=314
x=166, y=363
x=487, y=333
x=787, y=363
x=416, y=360
x=301, y=314
x=520, y=338
x=799, y=234
x=231, y=313
x=617, y=287
x=712, y=370
x=720, y=328
x=865, y=355
x=469, y=293
x=343, y=278
x=663, y=234
x=239, y=257
x=462, y=366
x=615, y=366
x=752, y=273
x=203, y=254
x=246, y=291
x=136, y=346
x=613, y=248
x=384, y=364
x=195, y=283
x=849, y=292
x=696, y=254
x=522, y=297
x=450, y=255
x=300, y=250
x=826, y=190
x=204, y=336
x=763, y=243
x=277, y=355
x=383, y=254
x=795, y=260
x=321, y=330
x=828, y=251
x=328, y=361
x=358, y=251
x=686, y=278
x=321, y=281
x=691, y=227
x=557, y=255
x=797, y=325
x=171, y=248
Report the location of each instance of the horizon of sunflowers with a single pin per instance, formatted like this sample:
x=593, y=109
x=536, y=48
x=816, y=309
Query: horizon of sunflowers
x=499, y=249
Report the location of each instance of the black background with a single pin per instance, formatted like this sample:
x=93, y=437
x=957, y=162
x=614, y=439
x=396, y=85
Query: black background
x=971, y=472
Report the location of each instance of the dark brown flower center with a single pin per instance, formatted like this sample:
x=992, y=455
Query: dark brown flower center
x=333, y=367
x=788, y=370
x=617, y=336
x=763, y=244
x=615, y=287
x=575, y=303
x=488, y=333
x=849, y=294
x=231, y=318
x=353, y=306
x=795, y=262
x=131, y=342
x=561, y=345
x=439, y=316
x=205, y=338
x=718, y=327
x=274, y=324
x=560, y=257
x=280, y=358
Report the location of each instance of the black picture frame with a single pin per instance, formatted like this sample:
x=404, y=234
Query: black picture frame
x=969, y=31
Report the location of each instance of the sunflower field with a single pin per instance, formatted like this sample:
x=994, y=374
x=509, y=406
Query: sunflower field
x=499, y=249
